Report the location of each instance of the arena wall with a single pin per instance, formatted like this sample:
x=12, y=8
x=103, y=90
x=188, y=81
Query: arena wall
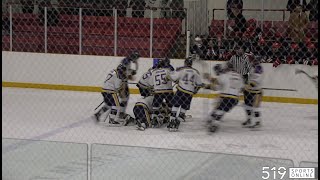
x=87, y=73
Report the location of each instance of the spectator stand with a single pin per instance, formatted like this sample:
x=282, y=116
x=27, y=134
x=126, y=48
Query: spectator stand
x=90, y=34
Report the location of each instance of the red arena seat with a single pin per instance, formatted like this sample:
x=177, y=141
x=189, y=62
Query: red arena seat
x=102, y=51
x=133, y=42
x=98, y=41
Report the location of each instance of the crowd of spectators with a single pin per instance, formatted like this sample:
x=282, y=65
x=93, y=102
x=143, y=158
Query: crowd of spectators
x=277, y=50
x=292, y=47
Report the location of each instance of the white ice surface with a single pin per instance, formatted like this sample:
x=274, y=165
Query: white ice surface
x=290, y=131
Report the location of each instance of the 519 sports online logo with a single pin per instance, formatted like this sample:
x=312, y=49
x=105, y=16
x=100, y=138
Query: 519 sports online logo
x=272, y=173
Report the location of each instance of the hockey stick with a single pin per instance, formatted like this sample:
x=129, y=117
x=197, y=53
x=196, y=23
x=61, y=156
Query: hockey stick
x=279, y=89
x=313, y=79
x=99, y=105
x=298, y=71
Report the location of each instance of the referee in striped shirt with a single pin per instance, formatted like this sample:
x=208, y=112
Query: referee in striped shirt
x=240, y=62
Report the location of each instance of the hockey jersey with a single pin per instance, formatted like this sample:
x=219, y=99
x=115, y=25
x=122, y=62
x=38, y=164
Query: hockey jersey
x=255, y=79
x=145, y=80
x=159, y=80
x=113, y=82
x=188, y=79
x=146, y=103
x=230, y=84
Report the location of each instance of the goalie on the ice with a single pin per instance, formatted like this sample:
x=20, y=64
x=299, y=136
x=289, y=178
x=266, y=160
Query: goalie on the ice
x=230, y=84
x=189, y=82
x=112, y=86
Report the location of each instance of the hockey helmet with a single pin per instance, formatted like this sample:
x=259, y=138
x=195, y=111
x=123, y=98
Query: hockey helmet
x=188, y=61
x=256, y=60
x=121, y=69
x=229, y=66
x=218, y=69
x=134, y=56
x=166, y=61
x=161, y=63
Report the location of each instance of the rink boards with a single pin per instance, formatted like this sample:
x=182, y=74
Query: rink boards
x=86, y=73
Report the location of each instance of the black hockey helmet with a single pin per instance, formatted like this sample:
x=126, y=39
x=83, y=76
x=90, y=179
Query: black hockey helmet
x=166, y=61
x=256, y=60
x=134, y=56
x=188, y=61
x=229, y=66
x=218, y=69
x=161, y=63
x=122, y=71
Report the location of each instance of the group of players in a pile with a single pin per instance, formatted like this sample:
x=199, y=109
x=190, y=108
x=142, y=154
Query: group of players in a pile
x=160, y=105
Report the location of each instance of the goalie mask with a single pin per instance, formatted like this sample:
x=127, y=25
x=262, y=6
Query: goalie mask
x=122, y=71
x=134, y=56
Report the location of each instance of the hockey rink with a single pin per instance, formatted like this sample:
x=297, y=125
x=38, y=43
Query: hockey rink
x=69, y=139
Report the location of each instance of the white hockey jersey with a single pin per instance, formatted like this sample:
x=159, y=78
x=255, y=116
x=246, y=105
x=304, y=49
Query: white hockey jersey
x=113, y=83
x=255, y=79
x=188, y=79
x=159, y=80
x=145, y=80
x=146, y=103
x=230, y=84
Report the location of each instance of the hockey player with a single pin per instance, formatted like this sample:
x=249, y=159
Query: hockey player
x=144, y=84
x=110, y=89
x=189, y=82
x=230, y=84
x=142, y=111
x=253, y=95
x=124, y=93
x=163, y=90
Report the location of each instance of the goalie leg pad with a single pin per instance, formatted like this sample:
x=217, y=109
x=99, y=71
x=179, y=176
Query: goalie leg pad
x=104, y=109
x=142, y=114
x=111, y=99
x=154, y=117
x=114, y=116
